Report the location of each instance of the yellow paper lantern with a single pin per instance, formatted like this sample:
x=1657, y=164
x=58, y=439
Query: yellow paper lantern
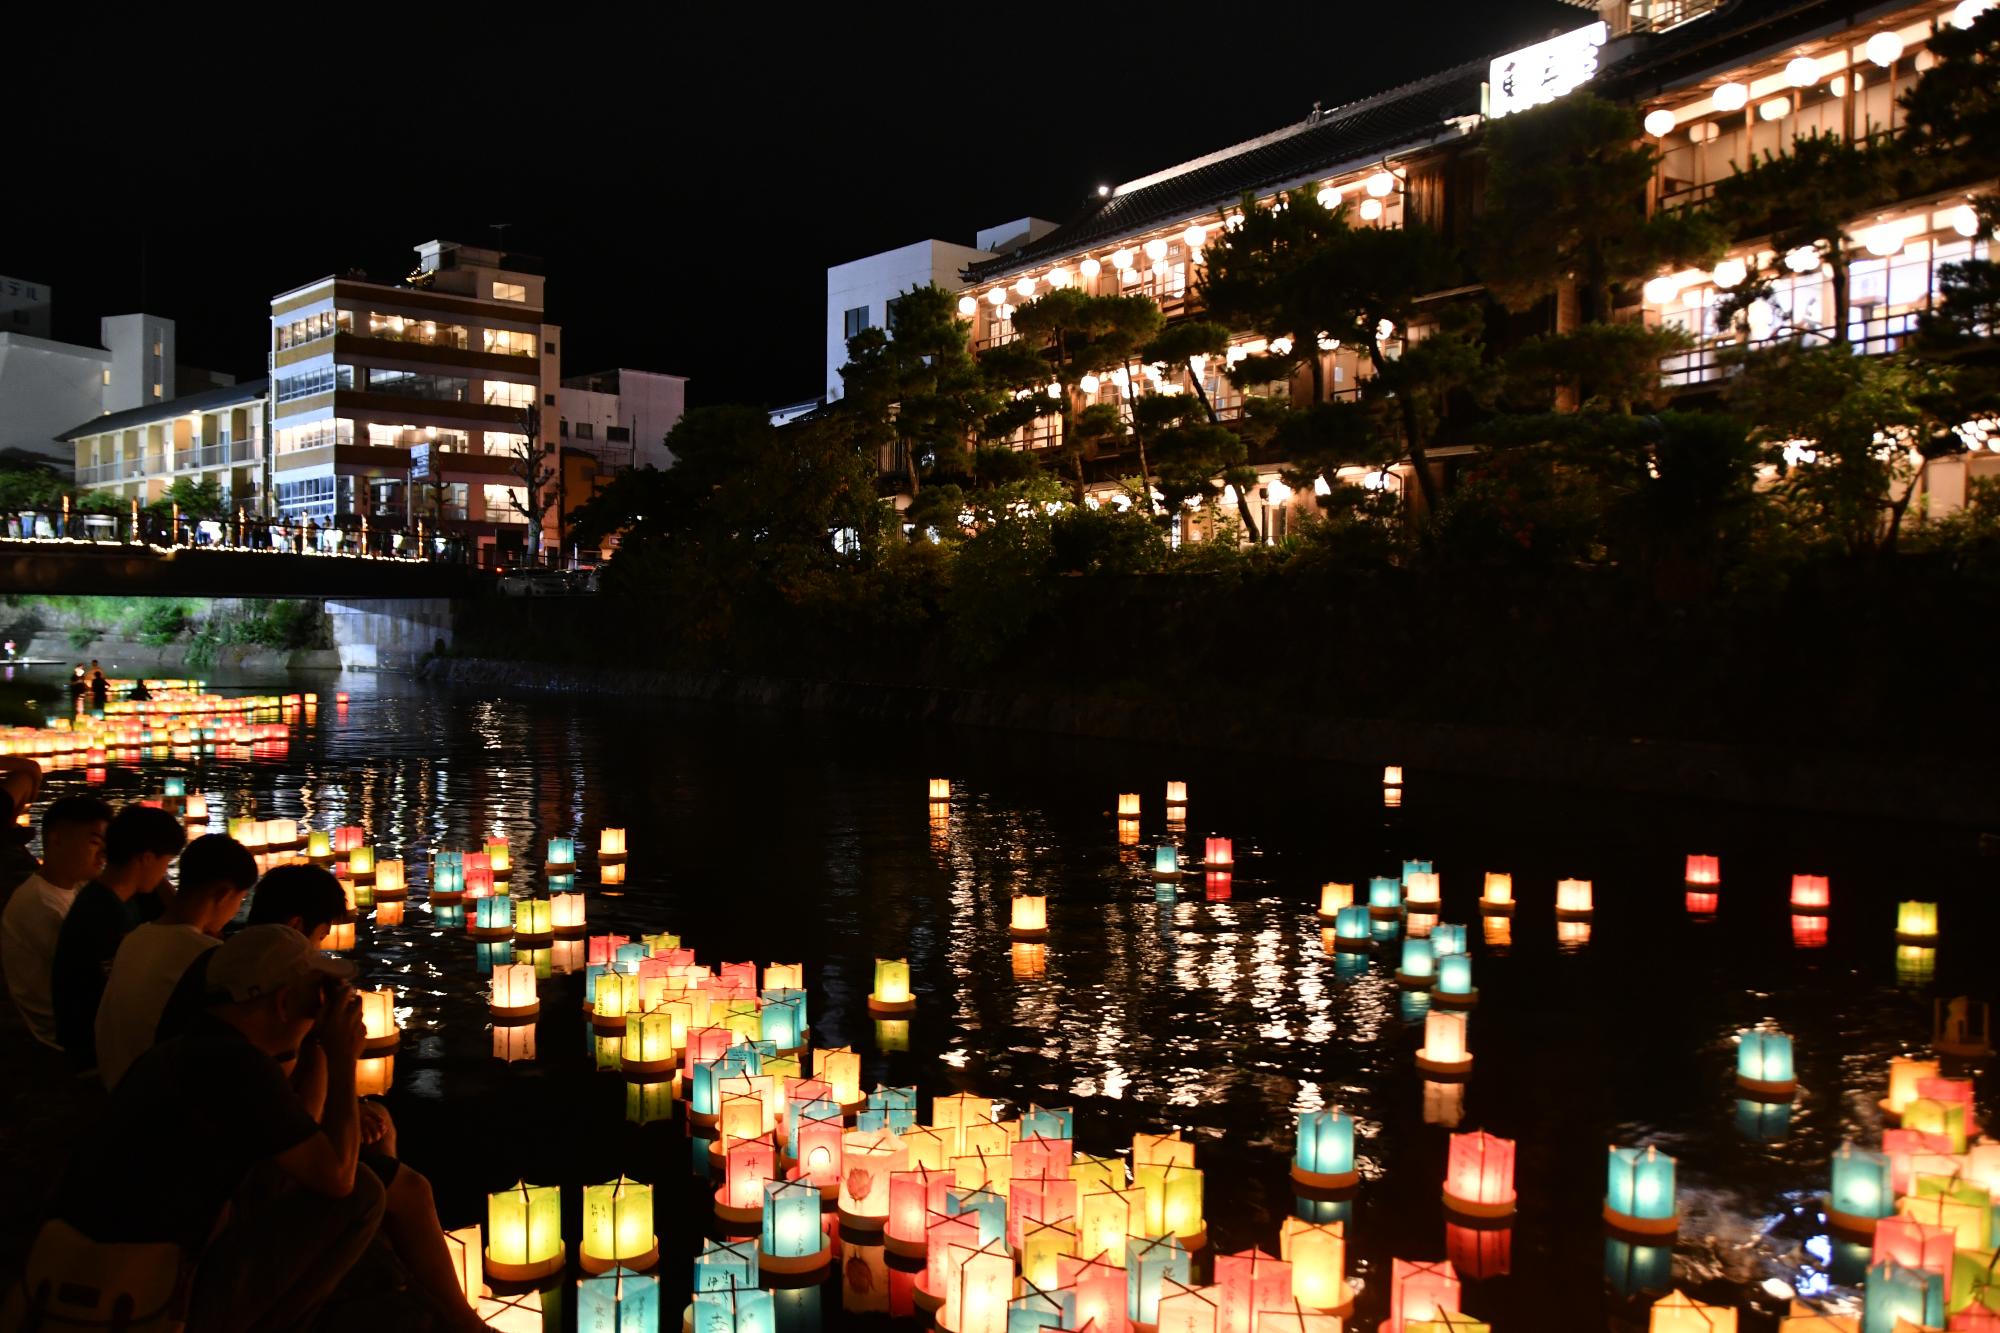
x=1444, y=1053
x=618, y=1227
x=1030, y=917
x=514, y=991
x=339, y=937
x=841, y=1068
x=1677, y=1312
x=1332, y=897
x=892, y=987
x=1573, y=898
x=940, y=789
x=1497, y=897
x=1317, y=1253
x=467, y=1259
x=524, y=1233
x=647, y=1047
x=378, y=1019
x=1903, y=1076
x=1128, y=805
x=534, y=919
x=391, y=880
x=611, y=844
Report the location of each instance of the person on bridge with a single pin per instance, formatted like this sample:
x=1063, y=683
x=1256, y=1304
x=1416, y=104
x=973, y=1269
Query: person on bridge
x=139, y=846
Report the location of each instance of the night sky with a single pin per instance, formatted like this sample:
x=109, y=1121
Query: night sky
x=686, y=180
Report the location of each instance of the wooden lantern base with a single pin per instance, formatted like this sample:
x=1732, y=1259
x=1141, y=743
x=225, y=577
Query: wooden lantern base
x=1329, y=918
x=1411, y=981
x=447, y=897
x=704, y=1118
x=891, y=1007
x=611, y=858
x=1924, y=941
x=1424, y=906
x=730, y=1213
x=1851, y=1224
x=1493, y=907
x=1641, y=1226
x=555, y=868
x=1759, y=1090
x=358, y=877
x=1575, y=913
x=508, y=1014
x=650, y=1071
x=860, y=1221
x=1325, y=1181
x=378, y=1045
x=1444, y=1069
x=921, y=1297
x=908, y=1249
x=533, y=939
x=606, y=1023
x=1473, y=1208
x=1446, y=999
x=1194, y=1240
x=1028, y=933
x=571, y=932
x=638, y=1263
x=1344, y=945
x=1385, y=913
x=500, y=1272
x=785, y=1264
x=489, y=932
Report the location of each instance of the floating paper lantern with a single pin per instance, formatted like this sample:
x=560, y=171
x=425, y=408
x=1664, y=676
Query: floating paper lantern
x=892, y=987
x=378, y=1019
x=1961, y=1206
x=499, y=858
x=346, y=838
x=1421, y=892
x=1904, y=1074
x=567, y=914
x=618, y=1227
x=361, y=865
x=1177, y=793
x=1479, y=1175
x=1420, y=1291
x=1323, y=1157
x=1148, y=1263
x=1916, y=923
x=1185, y=1309
x=534, y=918
x=748, y=1163
x=1452, y=1321
x=479, y=883
x=1173, y=1201
x=1385, y=898
x=1218, y=852
x=1128, y=805
x=647, y=1046
x=1454, y=988
x=818, y=1151
x=561, y=856
x=1639, y=1191
x=841, y=1068
x=1444, y=1053
x=1894, y=1294
x=1353, y=929
x=1914, y=1244
x=1418, y=968
x=1496, y=897
x=1041, y=1305
x=390, y=880
x=611, y=844
x=1248, y=1283
x=1166, y=860
x=792, y=1241
x=1573, y=899
x=1317, y=1255
x=339, y=937
x=1030, y=917
x=447, y=877
x=1392, y=775
x=492, y=919
x=1704, y=870
x=868, y=1162
x=1764, y=1064
x=1939, y=1119
x=524, y=1233
x=981, y=1283
x=1677, y=1312
x=1333, y=897
x=914, y=1195
x=1861, y=1193
x=514, y=991
x=1810, y=893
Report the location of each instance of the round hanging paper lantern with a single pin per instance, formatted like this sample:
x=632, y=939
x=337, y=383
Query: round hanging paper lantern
x=1861, y=1193
x=618, y=1227
x=1030, y=917
x=1496, y=898
x=524, y=1233
x=1764, y=1064
x=1916, y=923
x=1639, y=1192
x=1454, y=988
x=1479, y=1175
x=1444, y=1053
x=892, y=987
x=1573, y=899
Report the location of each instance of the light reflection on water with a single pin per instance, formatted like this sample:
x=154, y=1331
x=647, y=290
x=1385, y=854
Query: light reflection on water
x=1215, y=1008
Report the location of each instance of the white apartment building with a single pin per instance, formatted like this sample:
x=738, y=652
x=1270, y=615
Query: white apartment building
x=218, y=433
x=47, y=387
x=621, y=416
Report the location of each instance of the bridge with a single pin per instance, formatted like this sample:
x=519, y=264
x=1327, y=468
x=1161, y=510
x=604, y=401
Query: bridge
x=387, y=612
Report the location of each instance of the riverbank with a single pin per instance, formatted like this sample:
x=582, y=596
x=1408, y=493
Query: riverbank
x=1921, y=789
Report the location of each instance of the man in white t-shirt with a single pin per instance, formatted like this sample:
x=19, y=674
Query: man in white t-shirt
x=72, y=853
x=216, y=872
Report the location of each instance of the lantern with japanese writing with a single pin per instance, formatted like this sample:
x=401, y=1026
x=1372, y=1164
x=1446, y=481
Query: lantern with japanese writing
x=391, y=883
x=1317, y=1255
x=618, y=1227
x=647, y=1046
x=499, y=859
x=1218, y=853
x=892, y=987
x=378, y=1019
x=1444, y=1053
x=524, y=1233
x=1573, y=899
x=732, y=1309
x=1323, y=1157
x=1420, y=1291
x=747, y=1163
x=1479, y=1175
x=562, y=856
x=1917, y=923
x=618, y=1301
x=1496, y=897
x=1764, y=1064
x=1639, y=1192
x=913, y=1196
x=1811, y=893
x=611, y=845
x=447, y=877
x=1030, y=917
x=1148, y=1262
x=1248, y=1283
x=792, y=1241
x=1861, y=1193
x=979, y=1285
x=1677, y=1312
x=534, y=919
x=514, y=992
x=492, y=919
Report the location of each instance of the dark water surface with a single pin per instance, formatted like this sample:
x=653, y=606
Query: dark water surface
x=1216, y=1011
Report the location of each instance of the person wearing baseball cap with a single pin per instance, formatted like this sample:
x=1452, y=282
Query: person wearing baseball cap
x=210, y=1145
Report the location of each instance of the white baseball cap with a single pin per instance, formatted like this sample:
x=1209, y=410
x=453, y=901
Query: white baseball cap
x=261, y=960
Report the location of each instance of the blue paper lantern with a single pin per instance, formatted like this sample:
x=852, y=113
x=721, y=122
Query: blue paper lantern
x=1639, y=1191
x=1166, y=859
x=989, y=1208
x=824, y=1108
x=1385, y=896
x=1764, y=1063
x=1454, y=987
x=1323, y=1157
x=175, y=788
x=1049, y=1122
x=705, y=1084
x=620, y=1301
x=722, y=1265
x=1419, y=965
x=495, y=914
x=794, y=997
x=781, y=1021
x=1447, y=940
x=792, y=1233
x=1352, y=928
x=562, y=852
x=735, y=1310
x=1037, y=1308
x=629, y=956
x=489, y=954
x=1860, y=1193
x=1323, y=1209
x=1415, y=868
x=1893, y=1292
x=1148, y=1263
x=1349, y=966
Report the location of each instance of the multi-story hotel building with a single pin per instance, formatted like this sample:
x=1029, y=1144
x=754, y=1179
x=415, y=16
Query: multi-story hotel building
x=416, y=401
x=218, y=435
x=1718, y=83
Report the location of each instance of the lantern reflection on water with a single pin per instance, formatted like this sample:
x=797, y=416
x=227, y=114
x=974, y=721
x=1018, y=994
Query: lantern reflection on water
x=1894, y=1294
x=892, y=987
x=1030, y=918
x=1916, y=964
x=1128, y=833
x=1677, y=1312
x=1701, y=902
x=1639, y=1191
x=618, y=1227
x=524, y=1233
x=1479, y=1250
x=1479, y=1175
x=339, y=937
x=1030, y=960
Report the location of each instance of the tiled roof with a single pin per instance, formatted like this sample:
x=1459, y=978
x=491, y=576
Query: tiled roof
x=227, y=396
x=1414, y=115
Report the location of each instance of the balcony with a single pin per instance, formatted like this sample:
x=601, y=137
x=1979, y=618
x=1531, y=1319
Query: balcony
x=222, y=453
x=121, y=469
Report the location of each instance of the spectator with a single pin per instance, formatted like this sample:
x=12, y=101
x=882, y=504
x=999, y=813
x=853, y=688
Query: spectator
x=73, y=833
x=305, y=897
x=140, y=843
x=216, y=872
x=20, y=783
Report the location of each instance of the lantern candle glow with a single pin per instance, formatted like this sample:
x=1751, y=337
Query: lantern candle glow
x=792, y=1240
x=892, y=987
x=618, y=1227
x=1385, y=898
x=611, y=844
x=1904, y=1074
x=1677, y=1312
x=1332, y=897
x=1421, y=1291
x=1444, y=1053
x=378, y=1019
x=1917, y=922
x=391, y=883
x=1454, y=988
x=1861, y=1192
x=1418, y=969
x=1496, y=897
x=524, y=1233
x=1323, y=1157
x=1479, y=1175
x=1574, y=899
x=514, y=991
x=1639, y=1193
x=567, y=915
x=561, y=857
x=534, y=918
x=1030, y=917
x=1166, y=860
x=1764, y=1064
x=1704, y=870
x=1811, y=893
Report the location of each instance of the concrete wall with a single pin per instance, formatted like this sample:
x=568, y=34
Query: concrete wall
x=874, y=280
x=389, y=633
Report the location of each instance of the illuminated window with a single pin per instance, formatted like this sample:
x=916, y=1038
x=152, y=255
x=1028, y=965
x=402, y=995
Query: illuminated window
x=314, y=327
x=426, y=332
x=156, y=391
x=501, y=502
x=501, y=393
x=509, y=291
x=506, y=444
x=107, y=377
x=507, y=342
x=337, y=430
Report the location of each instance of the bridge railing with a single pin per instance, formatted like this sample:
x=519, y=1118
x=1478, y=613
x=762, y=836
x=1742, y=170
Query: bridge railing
x=424, y=543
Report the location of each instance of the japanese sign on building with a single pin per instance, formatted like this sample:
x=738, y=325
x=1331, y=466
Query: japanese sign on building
x=1545, y=71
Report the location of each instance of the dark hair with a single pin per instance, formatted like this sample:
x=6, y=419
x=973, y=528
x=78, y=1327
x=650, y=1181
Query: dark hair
x=217, y=858
x=74, y=810
x=138, y=830
x=309, y=893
